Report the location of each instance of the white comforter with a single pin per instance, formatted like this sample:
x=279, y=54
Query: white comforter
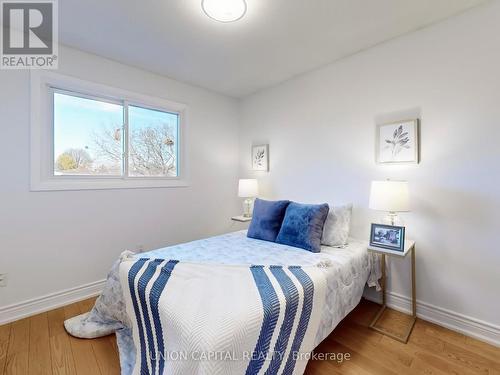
x=191, y=318
x=349, y=269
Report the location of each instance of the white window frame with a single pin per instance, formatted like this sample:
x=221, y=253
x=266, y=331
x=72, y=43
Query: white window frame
x=43, y=85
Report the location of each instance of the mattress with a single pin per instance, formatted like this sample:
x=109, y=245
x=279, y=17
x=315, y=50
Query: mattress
x=347, y=270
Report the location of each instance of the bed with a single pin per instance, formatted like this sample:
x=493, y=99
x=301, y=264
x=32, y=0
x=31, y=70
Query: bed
x=346, y=270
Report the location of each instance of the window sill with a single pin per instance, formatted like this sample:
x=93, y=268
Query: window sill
x=55, y=184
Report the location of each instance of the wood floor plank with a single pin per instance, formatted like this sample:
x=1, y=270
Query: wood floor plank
x=463, y=358
x=17, y=364
x=356, y=341
x=423, y=361
x=439, y=364
x=61, y=355
x=352, y=368
x=56, y=321
x=361, y=332
x=17, y=361
x=394, y=322
x=364, y=313
x=361, y=360
x=470, y=359
x=84, y=357
x=475, y=346
x=421, y=367
x=112, y=340
x=384, y=344
x=320, y=368
x=444, y=334
x=19, y=336
x=106, y=355
x=83, y=353
x=4, y=345
x=344, y=367
x=483, y=348
x=86, y=305
x=39, y=348
x=60, y=347
x=71, y=310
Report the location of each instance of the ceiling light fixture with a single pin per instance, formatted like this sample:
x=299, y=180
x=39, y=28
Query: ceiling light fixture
x=224, y=10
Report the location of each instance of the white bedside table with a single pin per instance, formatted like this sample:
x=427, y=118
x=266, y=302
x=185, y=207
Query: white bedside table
x=409, y=247
x=241, y=218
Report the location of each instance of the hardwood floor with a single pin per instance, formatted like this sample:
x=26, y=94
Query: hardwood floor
x=39, y=345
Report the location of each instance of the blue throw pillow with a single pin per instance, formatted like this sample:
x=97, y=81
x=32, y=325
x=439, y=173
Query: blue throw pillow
x=267, y=219
x=303, y=226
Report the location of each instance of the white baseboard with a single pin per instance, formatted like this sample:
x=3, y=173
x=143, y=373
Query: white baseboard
x=466, y=325
x=49, y=302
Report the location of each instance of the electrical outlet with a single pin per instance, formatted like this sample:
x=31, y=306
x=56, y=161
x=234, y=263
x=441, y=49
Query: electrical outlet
x=3, y=279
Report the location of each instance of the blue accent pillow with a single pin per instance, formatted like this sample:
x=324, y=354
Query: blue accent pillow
x=303, y=226
x=267, y=219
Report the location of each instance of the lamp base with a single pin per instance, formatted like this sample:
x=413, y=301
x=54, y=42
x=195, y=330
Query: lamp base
x=247, y=207
x=392, y=218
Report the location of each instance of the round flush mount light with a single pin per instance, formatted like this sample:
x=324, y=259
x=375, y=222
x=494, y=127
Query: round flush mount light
x=224, y=10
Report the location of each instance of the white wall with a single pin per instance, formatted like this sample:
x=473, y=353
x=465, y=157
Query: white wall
x=321, y=128
x=50, y=241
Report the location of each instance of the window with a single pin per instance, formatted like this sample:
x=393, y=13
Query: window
x=90, y=134
x=97, y=137
x=87, y=136
x=152, y=142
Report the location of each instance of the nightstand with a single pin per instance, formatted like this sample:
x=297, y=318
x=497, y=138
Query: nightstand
x=241, y=219
x=409, y=248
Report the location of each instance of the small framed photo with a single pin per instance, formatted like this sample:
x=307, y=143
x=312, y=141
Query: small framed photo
x=398, y=142
x=260, y=158
x=388, y=237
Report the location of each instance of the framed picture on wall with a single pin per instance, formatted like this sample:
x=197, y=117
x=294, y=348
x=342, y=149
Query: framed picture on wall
x=260, y=158
x=398, y=142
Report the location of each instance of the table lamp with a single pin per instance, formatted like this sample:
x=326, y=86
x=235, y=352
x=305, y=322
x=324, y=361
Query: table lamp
x=249, y=189
x=392, y=197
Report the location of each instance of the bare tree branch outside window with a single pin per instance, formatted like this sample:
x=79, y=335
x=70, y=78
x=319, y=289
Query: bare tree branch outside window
x=152, y=150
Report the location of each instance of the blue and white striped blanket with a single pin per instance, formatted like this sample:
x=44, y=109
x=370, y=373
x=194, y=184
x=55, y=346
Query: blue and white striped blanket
x=193, y=318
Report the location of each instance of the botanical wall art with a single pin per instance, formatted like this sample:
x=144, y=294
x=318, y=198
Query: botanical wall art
x=260, y=158
x=398, y=142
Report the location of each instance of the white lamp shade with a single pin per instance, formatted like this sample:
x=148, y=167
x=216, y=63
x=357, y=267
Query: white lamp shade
x=391, y=196
x=248, y=188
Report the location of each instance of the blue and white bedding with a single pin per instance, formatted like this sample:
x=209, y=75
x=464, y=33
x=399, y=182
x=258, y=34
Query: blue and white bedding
x=191, y=318
x=346, y=271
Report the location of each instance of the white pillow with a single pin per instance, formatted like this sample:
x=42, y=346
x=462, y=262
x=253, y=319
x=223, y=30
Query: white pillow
x=337, y=225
